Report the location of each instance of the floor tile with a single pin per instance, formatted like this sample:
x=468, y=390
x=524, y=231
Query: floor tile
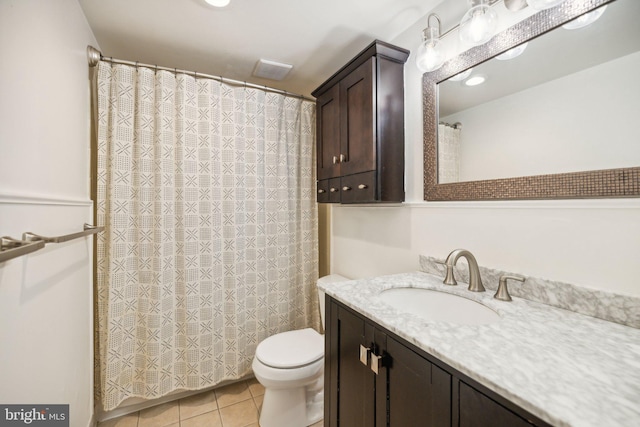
x=255, y=387
x=258, y=400
x=240, y=414
x=160, y=416
x=232, y=393
x=210, y=419
x=130, y=420
x=198, y=404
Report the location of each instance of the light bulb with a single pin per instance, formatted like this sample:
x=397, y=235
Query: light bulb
x=478, y=25
x=584, y=20
x=429, y=57
x=544, y=4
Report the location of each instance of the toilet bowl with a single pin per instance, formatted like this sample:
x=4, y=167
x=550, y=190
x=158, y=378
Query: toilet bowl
x=290, y=366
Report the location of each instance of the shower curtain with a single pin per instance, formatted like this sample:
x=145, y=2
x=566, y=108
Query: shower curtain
x=448, y=153
x=207, y=193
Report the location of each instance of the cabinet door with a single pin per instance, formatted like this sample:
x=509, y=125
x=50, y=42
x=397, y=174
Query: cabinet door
x=419, y=393
x=358, y=120
x=328, y=133
x=355, y=383
x=478, y=410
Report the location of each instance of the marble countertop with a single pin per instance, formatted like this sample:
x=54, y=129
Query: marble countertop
x=566, y=368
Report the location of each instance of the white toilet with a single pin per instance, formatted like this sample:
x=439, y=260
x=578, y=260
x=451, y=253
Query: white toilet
x=290, y=366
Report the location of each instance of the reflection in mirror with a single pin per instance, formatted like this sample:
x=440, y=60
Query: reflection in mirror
x=567, y=102
x=554, y=117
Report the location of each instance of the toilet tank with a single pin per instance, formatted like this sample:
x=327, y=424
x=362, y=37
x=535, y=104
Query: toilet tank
x=331, y=278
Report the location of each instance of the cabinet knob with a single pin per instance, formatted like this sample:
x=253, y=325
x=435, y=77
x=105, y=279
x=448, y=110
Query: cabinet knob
x=335, y=160
x=320, y=190
x=364, y=355
x=333, y=189
x=343, y=158
x=362, y=186
x=345, y=188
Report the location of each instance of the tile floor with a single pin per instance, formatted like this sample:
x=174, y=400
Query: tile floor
x=235, y=405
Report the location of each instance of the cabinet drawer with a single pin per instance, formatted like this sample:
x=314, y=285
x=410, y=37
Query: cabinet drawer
x=358, y=188
x=322, y=192
x=334, y=190
x=328, y=191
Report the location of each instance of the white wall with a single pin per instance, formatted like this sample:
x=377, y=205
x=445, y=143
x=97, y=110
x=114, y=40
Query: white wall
x=46, y=309
x=559, y=125
x=593, y=243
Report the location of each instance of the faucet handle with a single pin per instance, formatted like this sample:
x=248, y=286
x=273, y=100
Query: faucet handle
x=503, y=291
x=449, y=279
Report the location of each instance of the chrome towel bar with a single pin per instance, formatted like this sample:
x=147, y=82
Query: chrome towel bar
x=87, y=230
x=12, y=248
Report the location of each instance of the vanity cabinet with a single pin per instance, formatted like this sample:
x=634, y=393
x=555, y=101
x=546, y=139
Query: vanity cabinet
x=360, y=129
x=376, y=379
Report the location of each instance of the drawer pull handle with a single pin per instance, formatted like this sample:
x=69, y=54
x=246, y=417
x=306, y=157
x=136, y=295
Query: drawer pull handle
x=335, y=160
x=343, y=158
x=362, y=186
x=321, y=191
x=364, y=355
x=333, y=189
x=378, y=362
x=345, y=188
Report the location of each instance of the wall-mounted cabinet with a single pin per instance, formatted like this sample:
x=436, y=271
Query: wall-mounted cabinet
x=376, y=379
x=360, y=129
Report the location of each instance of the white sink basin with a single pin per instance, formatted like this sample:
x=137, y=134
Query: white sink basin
x=439, y=306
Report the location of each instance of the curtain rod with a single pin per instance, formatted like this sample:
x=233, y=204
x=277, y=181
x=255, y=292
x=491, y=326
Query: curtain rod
x=94, y=56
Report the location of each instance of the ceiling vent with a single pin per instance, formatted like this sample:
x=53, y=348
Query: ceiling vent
x=271, y=70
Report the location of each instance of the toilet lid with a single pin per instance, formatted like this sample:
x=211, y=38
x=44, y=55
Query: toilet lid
x=291, y=349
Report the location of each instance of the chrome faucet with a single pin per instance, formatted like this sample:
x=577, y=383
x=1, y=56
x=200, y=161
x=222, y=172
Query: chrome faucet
x=475, y=281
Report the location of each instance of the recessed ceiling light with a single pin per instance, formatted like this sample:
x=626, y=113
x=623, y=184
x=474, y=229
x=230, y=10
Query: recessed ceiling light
x=475, y=80
x=218, y=3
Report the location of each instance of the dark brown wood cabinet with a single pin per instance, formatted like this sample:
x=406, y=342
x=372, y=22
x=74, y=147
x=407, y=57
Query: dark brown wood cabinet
x=360, y=128
x=374, y=378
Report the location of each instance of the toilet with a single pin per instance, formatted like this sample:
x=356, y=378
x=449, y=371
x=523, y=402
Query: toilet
x=290, y=366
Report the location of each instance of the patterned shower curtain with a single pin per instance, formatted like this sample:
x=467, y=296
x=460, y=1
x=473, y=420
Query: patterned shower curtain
x=207, y=194
x=448, y=153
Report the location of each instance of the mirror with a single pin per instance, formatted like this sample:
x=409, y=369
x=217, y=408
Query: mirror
x=557, y=121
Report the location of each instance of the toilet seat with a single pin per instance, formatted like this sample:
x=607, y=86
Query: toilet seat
x=292, y=349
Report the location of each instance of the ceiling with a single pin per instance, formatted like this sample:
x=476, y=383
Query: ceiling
x=316, y=37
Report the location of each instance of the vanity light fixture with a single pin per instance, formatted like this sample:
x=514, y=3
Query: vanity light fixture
x=544, y=4
x=512, y=53
x=429, y=56
x=218, y=3
x=475, y=80
x=586, y=19
x=479, y=24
